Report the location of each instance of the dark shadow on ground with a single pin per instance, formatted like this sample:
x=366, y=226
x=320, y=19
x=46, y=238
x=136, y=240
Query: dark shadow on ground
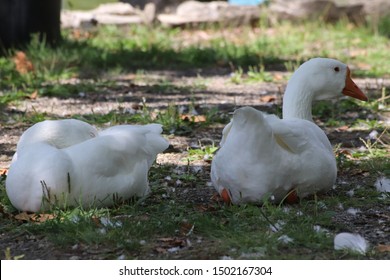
x=206, y=59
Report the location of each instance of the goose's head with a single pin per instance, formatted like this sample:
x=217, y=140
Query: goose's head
x=318, y=79
x=328, y=78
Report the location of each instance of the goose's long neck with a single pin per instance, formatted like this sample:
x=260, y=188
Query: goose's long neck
x=297, y=100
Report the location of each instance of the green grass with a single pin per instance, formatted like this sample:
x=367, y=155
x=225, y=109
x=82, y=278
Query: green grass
x=254, y=74
x=85, y=4
x=112, y=50
x=203, y=153
x=238, y=232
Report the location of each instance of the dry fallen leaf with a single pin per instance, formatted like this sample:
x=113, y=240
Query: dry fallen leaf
x=153, y=115
x=268, y=98
x=383, y=248
x=342, y=128
x=40, y=218
x=198, y=118
x=345, y=153
x=22, y=64
x=161, y=250
x=96, y=220
x=33, y=95
x=172, y=241
x=278, y=77
x=206, y=208
x=186, y=228
x=3, y=171
x=81, y=34
x=359, y=172
x=166, y=239
x=22, y=217
x=37, y=218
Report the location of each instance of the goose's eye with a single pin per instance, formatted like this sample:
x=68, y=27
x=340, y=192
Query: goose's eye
x=336, y=69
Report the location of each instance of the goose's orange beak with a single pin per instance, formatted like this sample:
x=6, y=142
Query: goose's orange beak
x=351, y=89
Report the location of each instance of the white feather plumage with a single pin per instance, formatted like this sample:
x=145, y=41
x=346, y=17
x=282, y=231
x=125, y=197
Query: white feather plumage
x=350, y=241
x=70, y=163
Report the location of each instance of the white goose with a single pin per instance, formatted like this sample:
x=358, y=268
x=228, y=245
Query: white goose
x=262, y=156
x=69, y=163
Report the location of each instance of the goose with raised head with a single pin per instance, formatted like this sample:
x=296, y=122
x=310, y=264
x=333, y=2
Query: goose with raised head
x=262, y=156
x=70, y=163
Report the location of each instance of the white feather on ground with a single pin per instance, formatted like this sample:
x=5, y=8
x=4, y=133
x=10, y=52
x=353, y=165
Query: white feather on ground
x=350, y=241
x=382, y=184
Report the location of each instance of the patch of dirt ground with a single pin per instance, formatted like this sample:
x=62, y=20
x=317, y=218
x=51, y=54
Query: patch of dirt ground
x=216, y=91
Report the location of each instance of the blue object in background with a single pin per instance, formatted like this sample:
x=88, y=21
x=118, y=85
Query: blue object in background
x=245, y=2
